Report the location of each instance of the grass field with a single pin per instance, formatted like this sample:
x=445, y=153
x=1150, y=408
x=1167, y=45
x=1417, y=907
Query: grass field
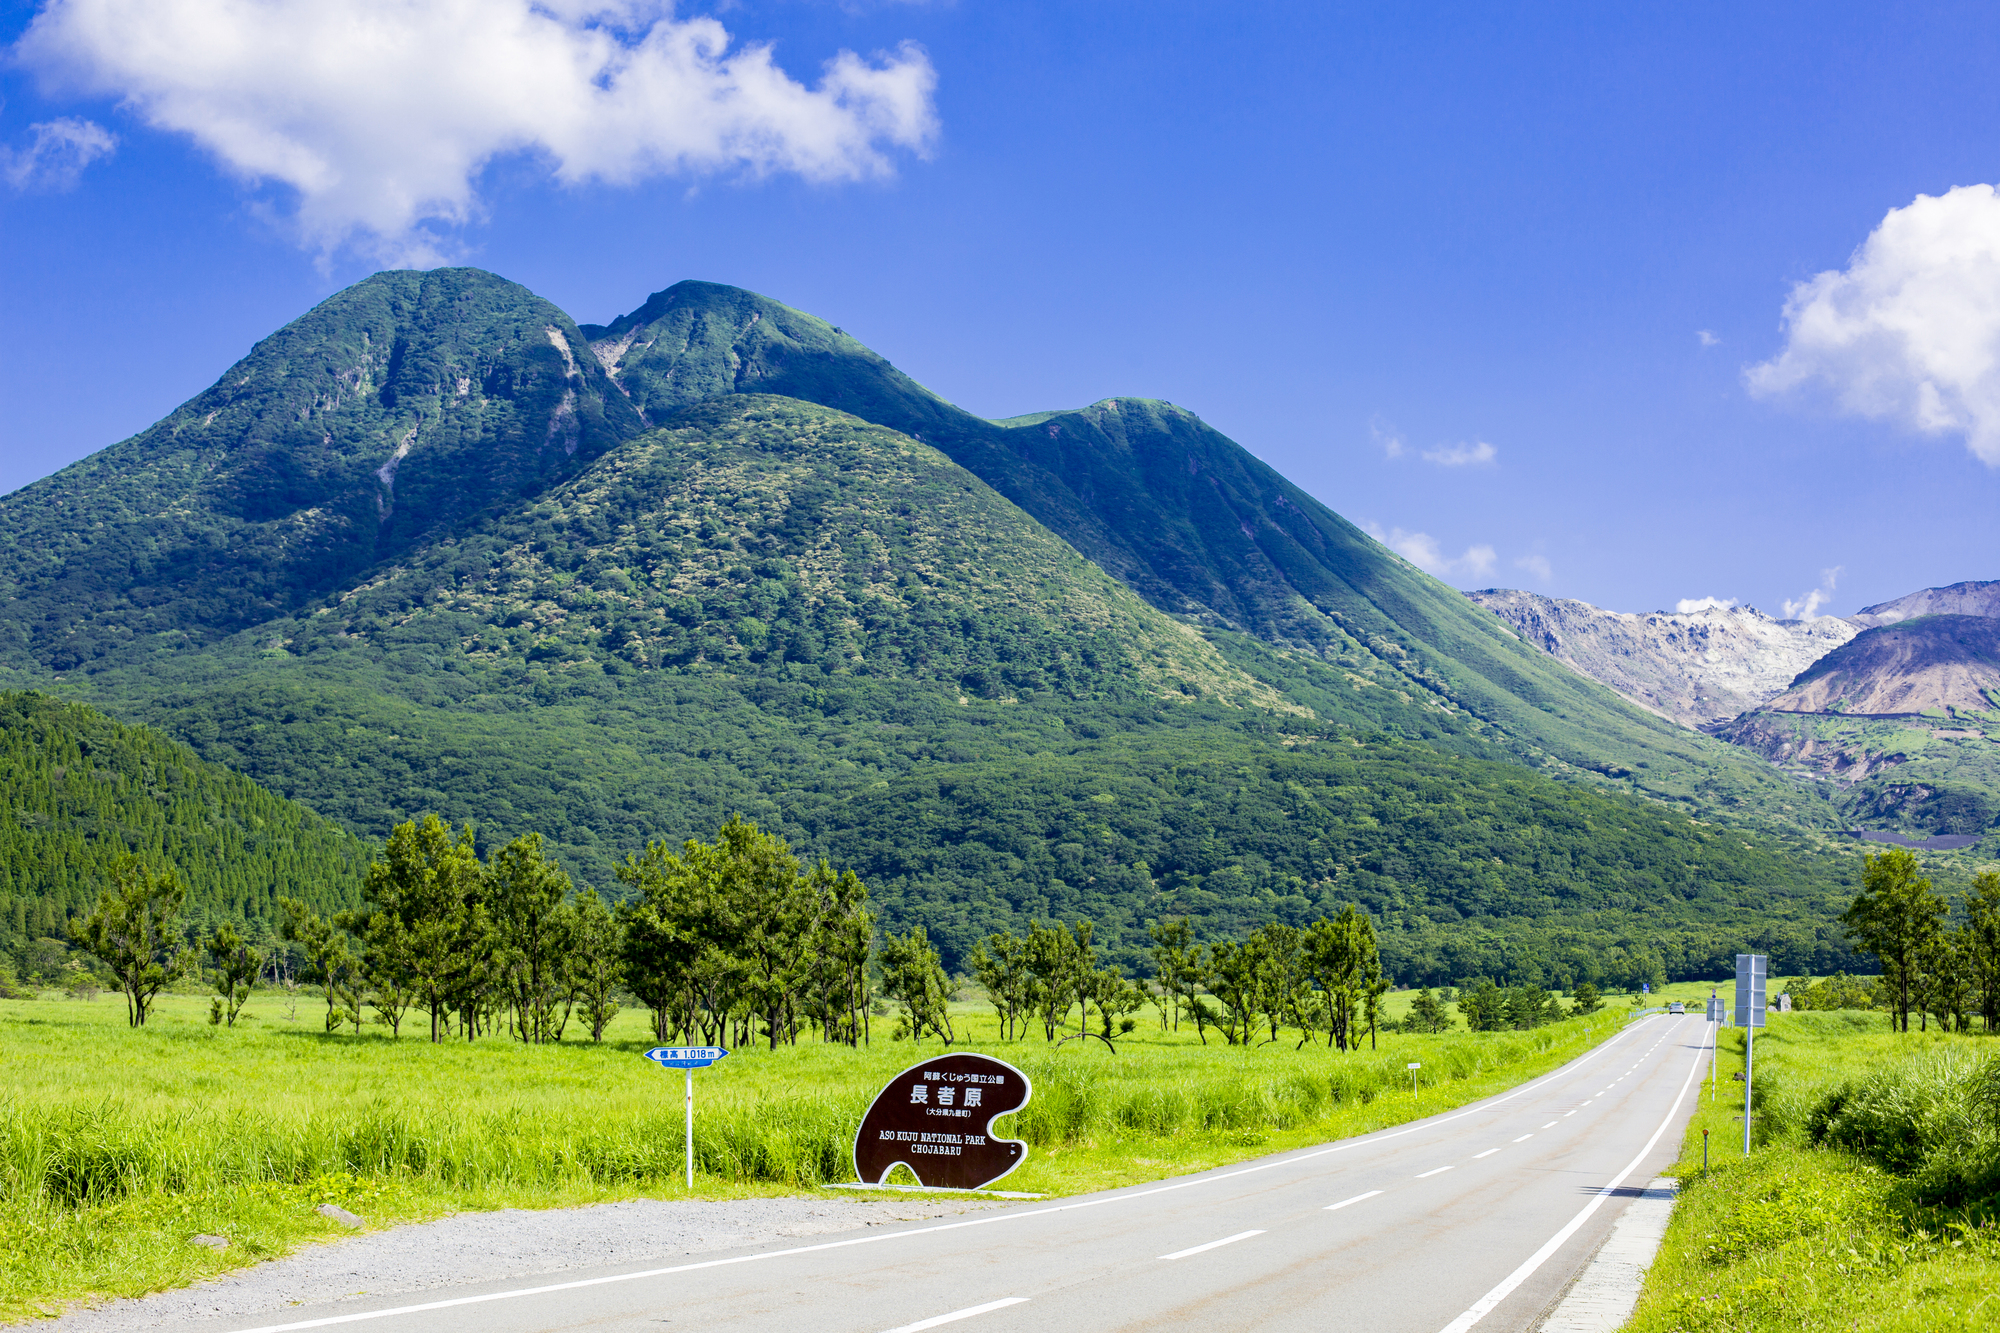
x=1797, y=1237
x=116, y=1145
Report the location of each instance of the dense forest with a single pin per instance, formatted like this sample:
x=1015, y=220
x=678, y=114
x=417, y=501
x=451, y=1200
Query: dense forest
x=1096, y=665
x=78, y=792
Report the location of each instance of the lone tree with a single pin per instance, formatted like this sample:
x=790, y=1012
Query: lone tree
x=1897, y=917
x=133, y=929
x=236, y=966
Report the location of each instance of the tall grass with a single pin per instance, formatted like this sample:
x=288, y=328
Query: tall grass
x=94, y=1113
x=1835, y=1220
x=117, y=1145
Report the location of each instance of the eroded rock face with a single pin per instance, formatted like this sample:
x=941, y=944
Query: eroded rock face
x=1949, y=662
x=1699, y=668
x=1957, y=599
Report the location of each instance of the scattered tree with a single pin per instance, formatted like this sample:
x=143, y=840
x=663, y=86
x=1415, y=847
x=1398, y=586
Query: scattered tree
x=134, y=930
x=1896, y=917
x=235, y=966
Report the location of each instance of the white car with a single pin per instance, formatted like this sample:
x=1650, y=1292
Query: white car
x=1677, y=1008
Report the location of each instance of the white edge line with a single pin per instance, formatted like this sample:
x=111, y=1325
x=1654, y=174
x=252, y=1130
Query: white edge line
x=1010, y=1215
x=956, y=1315
x=1356, y=1199
x=1484, y=1305
x=1197, y=1249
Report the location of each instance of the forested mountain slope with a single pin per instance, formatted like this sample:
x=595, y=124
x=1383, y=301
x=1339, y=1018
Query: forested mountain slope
x=380, y=419
x=905, y=652
x=77, y=791
x=1198, y=527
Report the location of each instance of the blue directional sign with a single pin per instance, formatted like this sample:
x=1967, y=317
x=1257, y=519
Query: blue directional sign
x=685, y=1057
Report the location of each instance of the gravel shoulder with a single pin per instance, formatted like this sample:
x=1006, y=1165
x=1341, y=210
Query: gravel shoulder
x=513, y=1243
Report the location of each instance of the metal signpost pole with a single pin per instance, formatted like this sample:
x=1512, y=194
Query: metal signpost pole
x=1716, y=1018
x=687, y=1059
x=1750, y=972
x=1749, y=1056
x=1414, y=1066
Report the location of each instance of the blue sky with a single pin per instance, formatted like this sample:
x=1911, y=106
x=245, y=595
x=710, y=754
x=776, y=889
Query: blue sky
x=1493, y=280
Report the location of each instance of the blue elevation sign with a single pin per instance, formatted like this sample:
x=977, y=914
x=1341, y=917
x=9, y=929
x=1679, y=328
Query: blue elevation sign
x=685, y=1057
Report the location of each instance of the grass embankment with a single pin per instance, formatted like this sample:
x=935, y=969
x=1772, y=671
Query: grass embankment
x=116, y=1146
x=1883, y=1233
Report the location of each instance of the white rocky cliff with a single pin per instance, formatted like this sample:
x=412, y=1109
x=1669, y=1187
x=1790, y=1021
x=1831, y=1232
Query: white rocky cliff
x=1700, y=668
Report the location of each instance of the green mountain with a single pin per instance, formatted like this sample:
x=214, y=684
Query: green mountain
x=379, y=420
x=1095, y=663
x=77, y=791
x=1197, y=526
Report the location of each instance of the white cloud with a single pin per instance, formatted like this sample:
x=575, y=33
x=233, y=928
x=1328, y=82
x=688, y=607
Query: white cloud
x=1909, y=331
x=1806, y=607
x=57, y=153
x=1461, y=455
x=381, y=114
x=1387, y=437
x=1706, y=337
x=1688, y=606
x=1422, y=550
x=1537, y=565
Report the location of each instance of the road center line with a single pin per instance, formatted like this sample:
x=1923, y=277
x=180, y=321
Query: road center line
x=1197, y=1249
x=1551, y=1125
x=1488, y=1153
x=1484, y=1305
x=1356, y=1199
x=1011, y=1215
x=1428, y=1174
x=956, y=1315
x=1525, y=1137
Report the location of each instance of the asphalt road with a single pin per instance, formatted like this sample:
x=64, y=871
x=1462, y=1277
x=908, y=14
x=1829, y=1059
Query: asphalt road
x=1475, y=1216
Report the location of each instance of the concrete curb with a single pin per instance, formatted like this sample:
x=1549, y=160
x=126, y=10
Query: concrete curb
x=1602, y=1296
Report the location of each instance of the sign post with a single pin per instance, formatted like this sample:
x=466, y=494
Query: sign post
x=1718, y=1014
x=1413, y=1067
x=1750, y=970
x=936, y=1118
x=687, y=1059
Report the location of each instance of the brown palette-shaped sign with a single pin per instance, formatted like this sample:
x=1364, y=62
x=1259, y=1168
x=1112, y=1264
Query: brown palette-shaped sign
x=937, y=1118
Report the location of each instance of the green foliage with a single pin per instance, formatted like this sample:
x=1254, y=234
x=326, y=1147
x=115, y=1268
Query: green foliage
x=384, y=418
x=235, y=967
x=134, y=931
x=1200, y=528
x=1429, y=1014
x=78, y=793
x=894, y=651
x=1861, y=1206
x=913, y=975
x=722, y=934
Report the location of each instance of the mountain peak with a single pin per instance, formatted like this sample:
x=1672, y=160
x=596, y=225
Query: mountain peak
x=1970, y=598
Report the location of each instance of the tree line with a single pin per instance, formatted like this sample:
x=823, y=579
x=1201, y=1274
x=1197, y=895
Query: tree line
x=735, y=941
x=1935, y=964
x=725, y=941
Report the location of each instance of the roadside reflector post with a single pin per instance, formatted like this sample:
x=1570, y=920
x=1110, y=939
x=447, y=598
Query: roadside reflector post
x=1704, y=1150
x=687, y=1059
x=1750, y=973
x=1413, y=1067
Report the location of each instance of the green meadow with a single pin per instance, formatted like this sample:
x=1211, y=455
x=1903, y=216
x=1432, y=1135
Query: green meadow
x=118, y=1145
x=1866, y=1202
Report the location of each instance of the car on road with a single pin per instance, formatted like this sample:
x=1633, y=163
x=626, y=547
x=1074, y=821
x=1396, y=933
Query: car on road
x=1677, y=1008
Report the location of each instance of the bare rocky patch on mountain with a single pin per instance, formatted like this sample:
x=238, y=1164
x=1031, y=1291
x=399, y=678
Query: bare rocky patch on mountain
x=1971, y=598
x=1699, y=668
